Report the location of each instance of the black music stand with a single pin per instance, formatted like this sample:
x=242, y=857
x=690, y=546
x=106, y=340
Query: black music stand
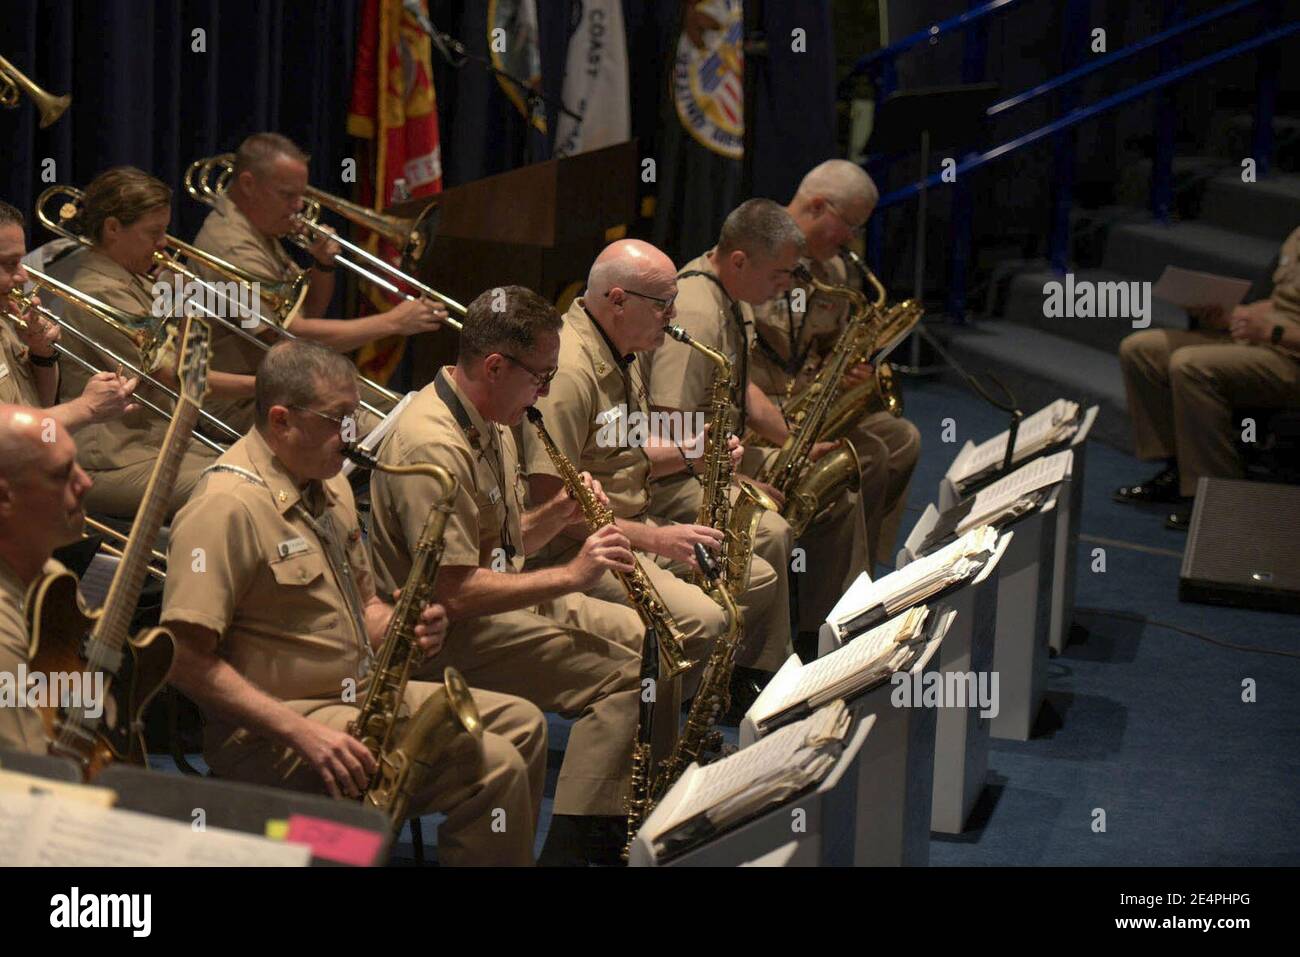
x=952, y=114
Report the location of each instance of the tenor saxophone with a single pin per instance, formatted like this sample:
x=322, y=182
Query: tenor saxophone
x=715, y=506
x=447, y=726
x=642, y=592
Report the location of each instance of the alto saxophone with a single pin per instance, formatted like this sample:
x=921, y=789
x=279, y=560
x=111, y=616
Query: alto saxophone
x=715, y=506
x=640, y=798
x=645, y=597
x=713, y=698
x=447, y=725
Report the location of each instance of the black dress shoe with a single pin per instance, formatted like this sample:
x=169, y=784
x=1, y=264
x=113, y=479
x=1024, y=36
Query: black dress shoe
x=1180, y=520
x=1159, y=488
x=583, y=841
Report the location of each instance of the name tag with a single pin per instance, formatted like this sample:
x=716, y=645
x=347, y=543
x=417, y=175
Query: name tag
x=293, y=546
x=609, y=415
x=4, y=370
x=494, y=496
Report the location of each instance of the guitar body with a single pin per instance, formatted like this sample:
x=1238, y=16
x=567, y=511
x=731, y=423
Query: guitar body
x=60, y=627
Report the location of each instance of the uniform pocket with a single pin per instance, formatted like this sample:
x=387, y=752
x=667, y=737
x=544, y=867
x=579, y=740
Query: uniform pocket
x=299, y=569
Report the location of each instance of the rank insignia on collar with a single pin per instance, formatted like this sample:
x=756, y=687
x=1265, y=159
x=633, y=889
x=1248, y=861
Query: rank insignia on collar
x=601, y=368
x=283, y=496
x=474, y=436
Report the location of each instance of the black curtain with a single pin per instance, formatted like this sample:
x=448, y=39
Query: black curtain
x=144, y=94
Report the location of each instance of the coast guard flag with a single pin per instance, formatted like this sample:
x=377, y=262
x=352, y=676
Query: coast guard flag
x=595, y=79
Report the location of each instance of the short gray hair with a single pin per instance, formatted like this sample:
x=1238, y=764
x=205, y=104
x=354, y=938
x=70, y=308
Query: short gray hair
x=292, y=372
x=839, y=181
x=258, y=151
x=500, y=319
x=759, y=227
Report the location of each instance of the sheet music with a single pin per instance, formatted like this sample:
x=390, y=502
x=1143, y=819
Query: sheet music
x=1051, y=424
x=1038, y=474
x=43, y=830
x=1197, y=290
x=371, y=442
x=848, y=668
x=766, y=772
x=923, y=578
x=98, y=578
x=16, y=782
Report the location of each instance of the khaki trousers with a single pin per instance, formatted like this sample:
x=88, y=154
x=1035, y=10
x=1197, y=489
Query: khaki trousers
x=1182, y=387
x=880, y=437
x=118, y=492
x=507, y=775
x=765, y=605
x=576, y=656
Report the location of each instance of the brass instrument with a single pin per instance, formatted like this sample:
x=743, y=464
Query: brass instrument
x=447, y=725
x=715, y=506
x=25, y=303
x=713, y=697
x=207, y=179
x=12, y=80
x=642, y=592
x=640, y=800
x=157, y=566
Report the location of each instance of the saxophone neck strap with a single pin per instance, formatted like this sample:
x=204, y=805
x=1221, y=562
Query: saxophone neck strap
x=738, y=318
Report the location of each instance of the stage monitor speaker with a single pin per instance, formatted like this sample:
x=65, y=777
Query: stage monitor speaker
x=1243, y=546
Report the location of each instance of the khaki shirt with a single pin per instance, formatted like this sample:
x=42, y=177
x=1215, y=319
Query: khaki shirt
x=227, y=233
x=680, y=377
x=593, y=404
x=135, y=437
x=17, y=377
x=813, y=331
x=21, y=728
x=427, y=431
x=262, y=580
x=1286, y=286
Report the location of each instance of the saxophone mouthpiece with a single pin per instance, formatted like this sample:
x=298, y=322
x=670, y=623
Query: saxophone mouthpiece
x=534, y=415
x=707, y=564
x=359, y=456
x=801, y=273
x=678, y=333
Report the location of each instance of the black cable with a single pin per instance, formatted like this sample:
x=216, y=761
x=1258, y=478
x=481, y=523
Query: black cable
x=1127, y=616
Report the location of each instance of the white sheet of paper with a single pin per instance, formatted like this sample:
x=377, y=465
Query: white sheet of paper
x=1191, y=289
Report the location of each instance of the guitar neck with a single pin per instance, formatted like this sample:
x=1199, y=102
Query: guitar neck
x=119, y=608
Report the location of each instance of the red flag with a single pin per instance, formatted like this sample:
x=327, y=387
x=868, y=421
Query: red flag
x=394, y=108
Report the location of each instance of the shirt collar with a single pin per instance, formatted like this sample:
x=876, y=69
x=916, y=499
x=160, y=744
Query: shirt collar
x=282, y=486
x=623, y=361
x=486, y=430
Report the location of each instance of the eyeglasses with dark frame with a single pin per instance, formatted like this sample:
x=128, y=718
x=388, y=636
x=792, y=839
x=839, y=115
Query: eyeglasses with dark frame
x=543, y=379
x=663, y=304
x=857, y=231
x=339, y=420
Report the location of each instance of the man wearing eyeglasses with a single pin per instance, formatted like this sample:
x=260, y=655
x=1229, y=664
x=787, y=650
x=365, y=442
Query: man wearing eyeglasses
x=796, y=331
x=529, y=633
x=272, y=600
x=758, y=248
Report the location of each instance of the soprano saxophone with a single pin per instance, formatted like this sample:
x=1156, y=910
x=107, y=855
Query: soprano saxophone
x=447, y=725
x=642, y=592
x=715, y=505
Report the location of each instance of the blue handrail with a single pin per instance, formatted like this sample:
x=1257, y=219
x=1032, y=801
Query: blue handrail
x=1101, y=62
x=884, y=55
x=1090, y=111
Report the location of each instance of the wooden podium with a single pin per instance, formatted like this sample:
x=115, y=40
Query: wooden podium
x=539, y=226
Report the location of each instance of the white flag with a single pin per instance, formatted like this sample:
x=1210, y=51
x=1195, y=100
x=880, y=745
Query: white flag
x=595, y=79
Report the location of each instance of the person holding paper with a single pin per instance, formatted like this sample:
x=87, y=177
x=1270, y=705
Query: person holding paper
x=793, y=337
x=1183, y=386
x=42, y=494
x=271, y=597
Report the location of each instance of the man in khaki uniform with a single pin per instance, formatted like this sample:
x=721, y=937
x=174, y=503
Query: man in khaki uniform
x=1184, y=385
x=595, y=405
x=29, y=364
x=758, y=248
x=246, y=229
x=124, y=216
x=41, y=493
x=533, y=634
x=794, y=335
x=272, y=601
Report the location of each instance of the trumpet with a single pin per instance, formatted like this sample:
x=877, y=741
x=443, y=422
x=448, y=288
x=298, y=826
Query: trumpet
x=27, y=303
x=410, y=235
x=12, y=81
x=282, y=299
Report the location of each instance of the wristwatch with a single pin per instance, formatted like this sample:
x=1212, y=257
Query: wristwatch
x=1275, y=336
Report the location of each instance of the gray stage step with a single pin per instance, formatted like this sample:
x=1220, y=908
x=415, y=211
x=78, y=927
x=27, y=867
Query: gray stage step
x=1039, y=367
x=1142, y=250
x=1268, y=209
x=1025, y=305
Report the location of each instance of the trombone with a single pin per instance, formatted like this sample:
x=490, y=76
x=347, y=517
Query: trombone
x=12, y=81
x=284, y=299
x=411, y=236
x=25, y=302
x=156, y=559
